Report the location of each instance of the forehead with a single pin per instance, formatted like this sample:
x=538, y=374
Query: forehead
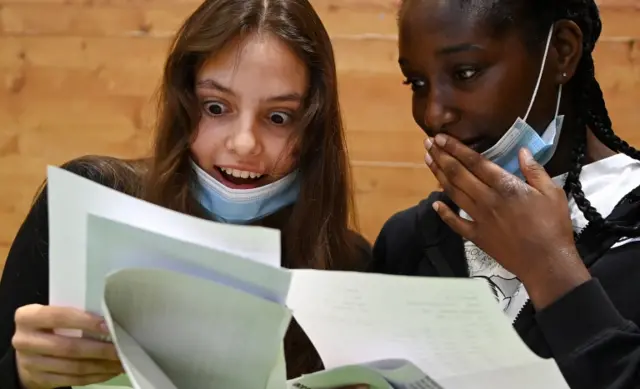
x=444, y=22
x=259, y=62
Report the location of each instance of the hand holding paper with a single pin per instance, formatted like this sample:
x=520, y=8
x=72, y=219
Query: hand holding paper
x=179, y=310
x=48, y=360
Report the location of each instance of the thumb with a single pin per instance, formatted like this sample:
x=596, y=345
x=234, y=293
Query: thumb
x=534, y=173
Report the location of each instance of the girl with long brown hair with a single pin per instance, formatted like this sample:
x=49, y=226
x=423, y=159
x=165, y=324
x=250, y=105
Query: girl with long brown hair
x=249, y=132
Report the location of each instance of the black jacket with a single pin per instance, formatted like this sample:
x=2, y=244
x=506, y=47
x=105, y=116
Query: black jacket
x=592, y=332
x=25, y=279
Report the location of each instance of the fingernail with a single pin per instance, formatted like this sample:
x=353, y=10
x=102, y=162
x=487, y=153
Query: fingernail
x=104, y=327
x=441, y=140
x=428, y=159
x=435, y=206
x=428, y=143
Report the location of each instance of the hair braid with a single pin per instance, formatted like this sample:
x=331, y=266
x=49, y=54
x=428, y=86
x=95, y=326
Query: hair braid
x=601, y=124
x=572, y=185
x=595, y=117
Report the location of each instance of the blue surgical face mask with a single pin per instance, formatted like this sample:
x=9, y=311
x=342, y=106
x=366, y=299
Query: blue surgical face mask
x=521, y=135
x=243, y=206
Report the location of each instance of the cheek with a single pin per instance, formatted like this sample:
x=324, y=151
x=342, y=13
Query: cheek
x=490, y=114
x=288, y=156
x=492, y=127
x=282, y=153
x=417, y=109
x=207, y=142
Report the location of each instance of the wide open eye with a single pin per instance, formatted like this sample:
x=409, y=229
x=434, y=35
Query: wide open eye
x=215, y=108
x=279, y=118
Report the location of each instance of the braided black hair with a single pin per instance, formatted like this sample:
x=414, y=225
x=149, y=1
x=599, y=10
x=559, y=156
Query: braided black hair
x=596, y=117
x=533, y=19
x=587, y=93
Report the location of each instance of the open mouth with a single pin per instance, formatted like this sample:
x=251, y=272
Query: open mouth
x=240, y=179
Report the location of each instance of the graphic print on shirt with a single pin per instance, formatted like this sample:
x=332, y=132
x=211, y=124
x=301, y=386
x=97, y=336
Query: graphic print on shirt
x=507, y=288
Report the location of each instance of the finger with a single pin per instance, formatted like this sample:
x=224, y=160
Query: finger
x=462, y=186
x=456, y=172
x=535, y=174
x=462, y=227
x=52, y=380
x=501, y=183
x=49, y=318
x=32, y=342
x=486, y=171
x=456, y=194
x=65, y=366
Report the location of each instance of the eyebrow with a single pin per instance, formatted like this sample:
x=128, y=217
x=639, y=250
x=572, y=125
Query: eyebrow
x=458, y=48
x=209, y=83
x=447, y=50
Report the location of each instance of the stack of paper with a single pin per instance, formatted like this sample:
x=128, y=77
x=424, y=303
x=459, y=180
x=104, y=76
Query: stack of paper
x=194, y=304
x=184, y=305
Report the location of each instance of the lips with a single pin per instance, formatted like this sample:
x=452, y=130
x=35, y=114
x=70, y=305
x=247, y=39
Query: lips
x=476, y=144
x=229, y=178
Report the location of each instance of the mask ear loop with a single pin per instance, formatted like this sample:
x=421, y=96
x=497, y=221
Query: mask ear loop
x=564, y=75
x=544, y=61
x=559, y=97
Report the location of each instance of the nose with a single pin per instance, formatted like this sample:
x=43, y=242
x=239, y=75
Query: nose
x=437, y=113
x=244, y=140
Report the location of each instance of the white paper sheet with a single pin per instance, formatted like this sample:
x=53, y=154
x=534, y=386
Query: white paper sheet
x=71, y=198
x=112, y=245
x=536, y=375
x=142, y=371
x=278, y=378
x=173, y=323
x=447, y=327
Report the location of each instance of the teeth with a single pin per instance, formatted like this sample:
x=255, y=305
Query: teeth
x=240, y=173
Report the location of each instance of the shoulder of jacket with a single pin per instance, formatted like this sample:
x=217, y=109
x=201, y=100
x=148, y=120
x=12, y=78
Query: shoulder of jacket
x=413, y=216
x=119, y=174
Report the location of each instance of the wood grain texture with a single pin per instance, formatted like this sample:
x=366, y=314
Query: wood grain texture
x=82, y=82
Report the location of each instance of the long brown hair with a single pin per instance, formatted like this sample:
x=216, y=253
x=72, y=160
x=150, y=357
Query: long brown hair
x=317, y=232
x=324, y=211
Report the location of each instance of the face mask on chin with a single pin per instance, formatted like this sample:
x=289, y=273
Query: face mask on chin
x=243, y=206
x=521, y=135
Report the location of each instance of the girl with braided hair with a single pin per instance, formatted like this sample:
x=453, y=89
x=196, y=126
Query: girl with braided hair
x=540, y=197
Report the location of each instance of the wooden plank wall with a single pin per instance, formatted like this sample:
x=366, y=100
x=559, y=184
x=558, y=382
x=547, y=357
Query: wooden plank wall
x=78, y=75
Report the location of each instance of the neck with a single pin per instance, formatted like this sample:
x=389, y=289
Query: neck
x=562, y=160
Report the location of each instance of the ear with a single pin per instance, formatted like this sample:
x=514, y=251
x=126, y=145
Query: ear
x=567, y=44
